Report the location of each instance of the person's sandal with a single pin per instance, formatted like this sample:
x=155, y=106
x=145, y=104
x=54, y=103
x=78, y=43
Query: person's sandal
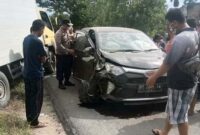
x=156, y=131
x=40, y=125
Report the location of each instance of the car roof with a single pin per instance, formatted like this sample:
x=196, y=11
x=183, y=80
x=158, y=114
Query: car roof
x=111, y=29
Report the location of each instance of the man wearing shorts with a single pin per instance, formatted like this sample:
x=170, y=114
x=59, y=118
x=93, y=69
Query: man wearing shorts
x=181, y=86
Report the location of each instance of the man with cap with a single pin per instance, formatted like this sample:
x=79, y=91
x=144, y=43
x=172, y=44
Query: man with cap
x=64, y=56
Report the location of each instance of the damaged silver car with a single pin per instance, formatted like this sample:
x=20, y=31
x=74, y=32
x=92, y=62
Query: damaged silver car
x=112, y=63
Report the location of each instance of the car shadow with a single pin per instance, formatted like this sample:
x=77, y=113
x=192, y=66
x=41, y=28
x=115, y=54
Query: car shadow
x=125, y=111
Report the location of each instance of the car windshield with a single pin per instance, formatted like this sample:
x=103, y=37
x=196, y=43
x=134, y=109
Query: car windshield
x=125, y=41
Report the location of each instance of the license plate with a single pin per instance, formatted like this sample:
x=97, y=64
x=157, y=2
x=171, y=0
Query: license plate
x=145, y=89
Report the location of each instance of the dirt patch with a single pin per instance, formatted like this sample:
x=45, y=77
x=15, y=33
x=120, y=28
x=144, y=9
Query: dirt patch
x=48, y=116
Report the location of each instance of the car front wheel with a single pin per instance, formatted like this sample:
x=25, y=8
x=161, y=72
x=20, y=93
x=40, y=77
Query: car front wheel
x=88, y=94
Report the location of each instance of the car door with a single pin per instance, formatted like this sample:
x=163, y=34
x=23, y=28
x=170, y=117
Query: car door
x=85, y=60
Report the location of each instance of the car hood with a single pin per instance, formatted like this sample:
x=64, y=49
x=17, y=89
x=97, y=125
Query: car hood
x=141, y=60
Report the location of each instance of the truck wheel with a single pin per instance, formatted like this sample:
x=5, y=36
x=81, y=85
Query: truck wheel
x=52, y=60
x=49, y=65
x=4, y=90
x=85, y=97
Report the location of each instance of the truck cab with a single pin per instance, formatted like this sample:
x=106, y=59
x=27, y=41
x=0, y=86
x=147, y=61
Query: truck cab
x=48, y=41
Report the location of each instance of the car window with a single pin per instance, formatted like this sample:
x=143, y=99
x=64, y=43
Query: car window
x=116, y=41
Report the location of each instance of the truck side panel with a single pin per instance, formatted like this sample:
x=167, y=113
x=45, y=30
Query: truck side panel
x=16, y=18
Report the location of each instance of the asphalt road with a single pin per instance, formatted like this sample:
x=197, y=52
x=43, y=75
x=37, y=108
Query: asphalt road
x=108, y=118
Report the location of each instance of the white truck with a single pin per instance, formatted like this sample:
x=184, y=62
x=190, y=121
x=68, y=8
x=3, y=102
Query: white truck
x=16, y=17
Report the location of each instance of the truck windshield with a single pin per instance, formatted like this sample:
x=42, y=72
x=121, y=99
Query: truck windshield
x=45, y=18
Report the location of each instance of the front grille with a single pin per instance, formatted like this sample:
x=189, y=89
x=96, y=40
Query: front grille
x=137, y=81
x=136, y=88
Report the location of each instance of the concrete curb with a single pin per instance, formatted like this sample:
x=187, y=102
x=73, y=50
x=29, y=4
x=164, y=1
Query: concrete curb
x=61, y=113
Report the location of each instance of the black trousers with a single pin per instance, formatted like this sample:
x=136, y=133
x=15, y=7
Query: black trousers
x=33, y=99
x=63, y=67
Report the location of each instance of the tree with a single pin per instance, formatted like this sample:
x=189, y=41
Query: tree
x=139, y=14
x=77, y=9
x=44, y=3
x=146, y=15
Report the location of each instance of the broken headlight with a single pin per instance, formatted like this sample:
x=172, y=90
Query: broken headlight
x=113, y=69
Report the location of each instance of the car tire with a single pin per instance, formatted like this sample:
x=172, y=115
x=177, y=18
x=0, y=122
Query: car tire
x=84, y=96
x=4, y=90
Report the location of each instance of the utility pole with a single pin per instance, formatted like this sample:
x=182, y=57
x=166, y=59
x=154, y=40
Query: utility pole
x=176, y=3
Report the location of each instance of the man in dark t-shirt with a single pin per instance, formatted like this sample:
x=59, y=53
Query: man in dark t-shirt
x=34, y=56
x=181, y=86
x=33, y=50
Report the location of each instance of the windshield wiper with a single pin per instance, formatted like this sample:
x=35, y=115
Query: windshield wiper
x=128, y=50
x=150, y=50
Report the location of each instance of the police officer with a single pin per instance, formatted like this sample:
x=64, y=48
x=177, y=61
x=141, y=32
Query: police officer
x=64, y=56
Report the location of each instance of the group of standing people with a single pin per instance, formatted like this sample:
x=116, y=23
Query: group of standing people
x=159, y=41
x=166, y=44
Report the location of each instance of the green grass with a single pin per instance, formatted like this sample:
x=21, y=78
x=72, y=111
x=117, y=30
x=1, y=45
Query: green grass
x=10, y=121
x=17, y=98
x=11, y=124
x=18, y=91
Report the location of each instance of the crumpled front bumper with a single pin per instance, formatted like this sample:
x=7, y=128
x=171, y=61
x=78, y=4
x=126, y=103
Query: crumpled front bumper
x=131, y=87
